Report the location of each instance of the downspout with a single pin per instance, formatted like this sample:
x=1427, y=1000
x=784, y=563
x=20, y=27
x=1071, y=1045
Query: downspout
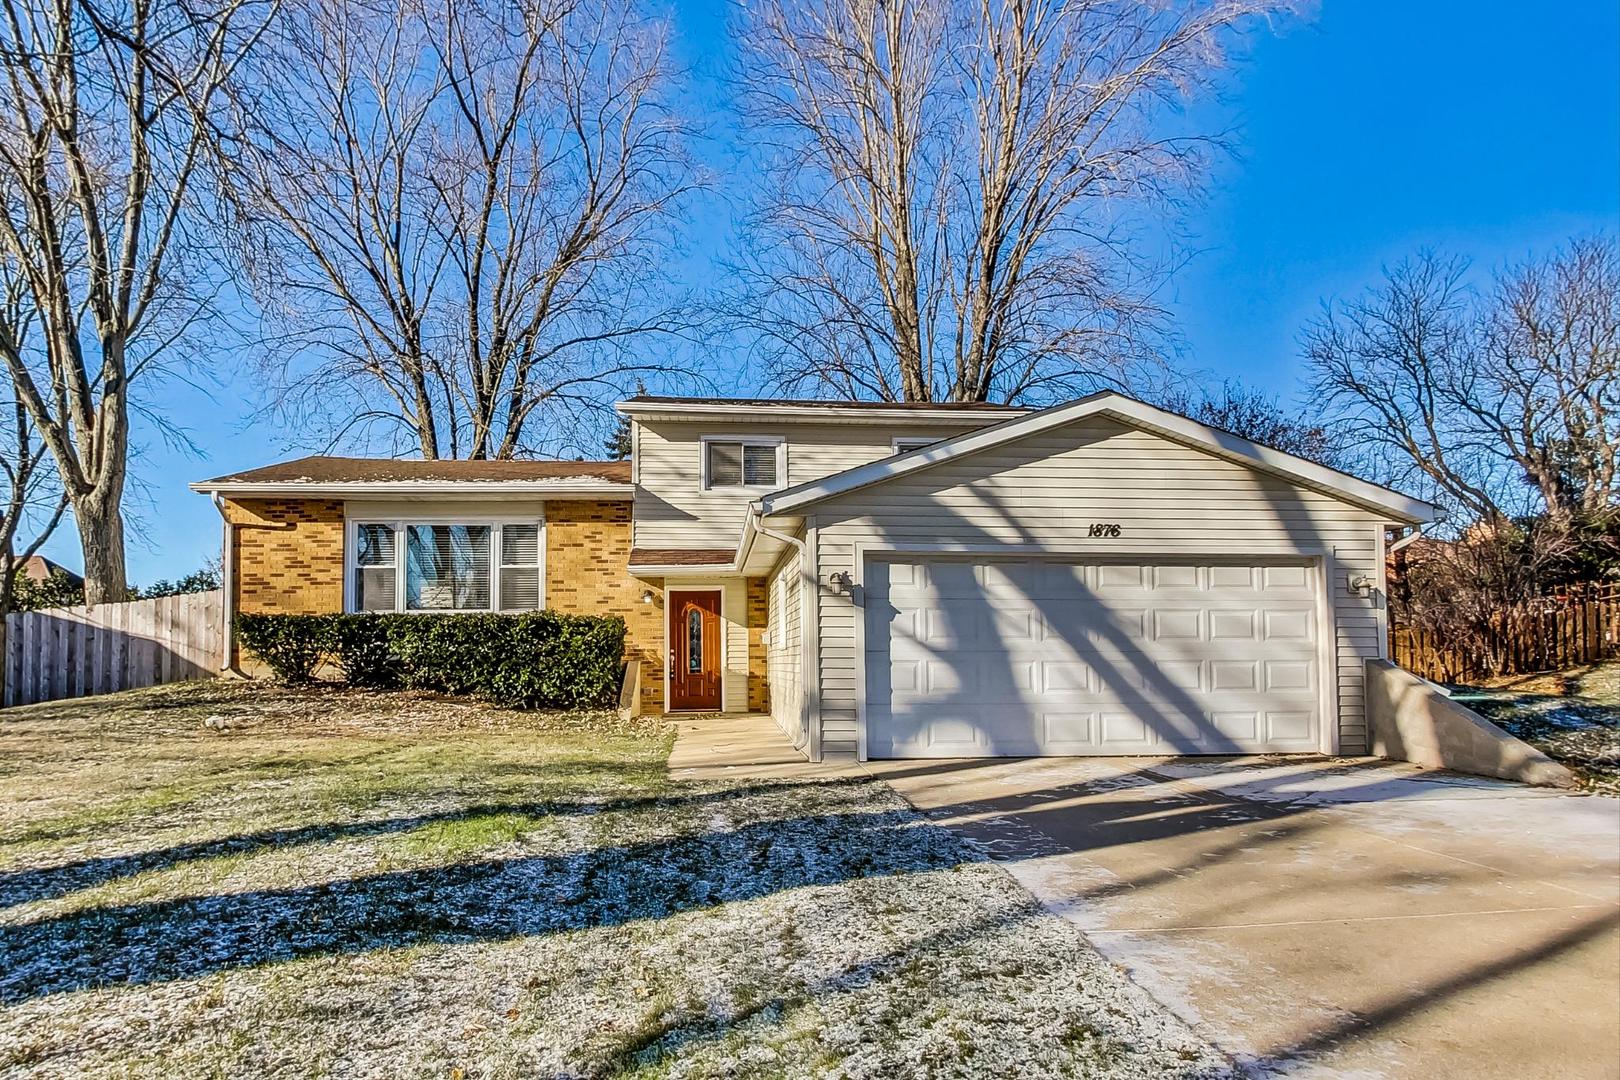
x=227, y=585
x=1392, y=553
x=810, y=671
x=1417, y=531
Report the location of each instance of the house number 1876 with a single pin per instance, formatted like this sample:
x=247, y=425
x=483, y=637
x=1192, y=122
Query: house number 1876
x=1100, y=528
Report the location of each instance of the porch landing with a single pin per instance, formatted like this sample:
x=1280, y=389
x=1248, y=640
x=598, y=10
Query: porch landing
x=744, y=746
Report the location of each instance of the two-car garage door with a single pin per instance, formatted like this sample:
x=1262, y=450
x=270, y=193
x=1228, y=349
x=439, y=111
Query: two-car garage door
x=1028, y=656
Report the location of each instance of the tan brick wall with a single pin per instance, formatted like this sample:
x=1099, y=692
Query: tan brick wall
x=759, y=618
x=587, y=573
x=288, y=555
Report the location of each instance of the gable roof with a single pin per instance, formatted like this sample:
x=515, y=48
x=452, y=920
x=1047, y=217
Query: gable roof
x=1125, y=410
x=320, y=474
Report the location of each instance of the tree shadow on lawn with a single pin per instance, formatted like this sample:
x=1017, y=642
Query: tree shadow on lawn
x=32, y=884
x=474, y=901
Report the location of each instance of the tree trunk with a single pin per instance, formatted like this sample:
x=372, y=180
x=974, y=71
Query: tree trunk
x=101, y=535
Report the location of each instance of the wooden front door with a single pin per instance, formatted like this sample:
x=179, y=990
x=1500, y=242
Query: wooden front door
x=694, y=650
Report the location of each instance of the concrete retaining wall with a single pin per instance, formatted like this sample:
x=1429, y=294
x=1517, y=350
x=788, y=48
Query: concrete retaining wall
x=1411, y=720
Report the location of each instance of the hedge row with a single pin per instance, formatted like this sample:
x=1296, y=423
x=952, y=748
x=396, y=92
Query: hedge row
x=534, y=660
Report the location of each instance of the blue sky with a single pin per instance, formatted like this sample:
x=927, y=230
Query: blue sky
x=1363, y=132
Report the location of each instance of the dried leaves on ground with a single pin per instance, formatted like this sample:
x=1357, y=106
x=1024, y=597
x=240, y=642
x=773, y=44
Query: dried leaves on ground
x=230, y=879
x=1571, y=716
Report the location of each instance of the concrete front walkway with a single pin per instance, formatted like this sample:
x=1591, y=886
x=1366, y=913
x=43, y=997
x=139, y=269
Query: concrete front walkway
x=1323, y=918
x=728, y=746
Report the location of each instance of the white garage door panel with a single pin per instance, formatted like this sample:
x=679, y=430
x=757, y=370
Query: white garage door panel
x=1037, y=657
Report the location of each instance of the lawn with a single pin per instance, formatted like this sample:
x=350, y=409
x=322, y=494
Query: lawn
x=225, y=879
x=1571, y=716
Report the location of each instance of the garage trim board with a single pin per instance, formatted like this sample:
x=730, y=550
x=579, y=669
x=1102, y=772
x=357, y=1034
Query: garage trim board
x=1200, y=589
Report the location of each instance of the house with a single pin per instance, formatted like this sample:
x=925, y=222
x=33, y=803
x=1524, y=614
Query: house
x=1099, y=577
x=39, y=569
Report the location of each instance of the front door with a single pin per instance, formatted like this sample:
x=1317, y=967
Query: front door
x=694, y=650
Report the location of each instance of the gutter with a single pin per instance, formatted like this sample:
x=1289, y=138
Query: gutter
x=682, y=569
x=466, y=489
x=1407, y=539
x=817, y=415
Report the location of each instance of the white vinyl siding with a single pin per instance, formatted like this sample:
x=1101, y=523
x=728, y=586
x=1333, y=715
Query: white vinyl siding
x=673, y=510
x=784, y=660
x=1043, y=494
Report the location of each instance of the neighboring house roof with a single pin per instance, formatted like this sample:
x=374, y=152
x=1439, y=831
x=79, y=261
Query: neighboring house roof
x=347, y=475
x=39, y=568
x=813, y=411
x=1117, y=407
x=645, y=558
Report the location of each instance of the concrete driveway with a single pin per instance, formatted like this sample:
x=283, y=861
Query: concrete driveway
x=1324, y=918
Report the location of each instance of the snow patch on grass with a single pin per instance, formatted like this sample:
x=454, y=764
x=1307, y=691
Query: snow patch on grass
x=505, y=895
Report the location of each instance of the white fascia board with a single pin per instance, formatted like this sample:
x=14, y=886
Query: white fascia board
x=676, y=570
x=458, y=489
x=816, y=415
x=1130, y=412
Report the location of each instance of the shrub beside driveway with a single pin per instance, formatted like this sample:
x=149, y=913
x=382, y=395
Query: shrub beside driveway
x=224, y=879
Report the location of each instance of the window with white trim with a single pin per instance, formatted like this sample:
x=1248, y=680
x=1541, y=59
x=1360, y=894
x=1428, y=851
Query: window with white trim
x=445, y=566
x=905, y=444
x=755, y=462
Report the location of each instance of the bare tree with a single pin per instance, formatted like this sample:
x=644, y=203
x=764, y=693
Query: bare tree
x=464, y=212
x=31, y=504
x=107, y=138
x=1255, y=415
x=947, y=186
x=1504, y=404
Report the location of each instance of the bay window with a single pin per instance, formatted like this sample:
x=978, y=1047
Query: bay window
x=445, y=566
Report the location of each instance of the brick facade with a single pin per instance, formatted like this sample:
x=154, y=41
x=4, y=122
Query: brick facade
x=288, y=555
x=587, y=573
x=759, y=616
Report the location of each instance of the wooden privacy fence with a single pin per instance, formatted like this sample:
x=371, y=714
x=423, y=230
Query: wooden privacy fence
x=78, y=651
x=1550, y=633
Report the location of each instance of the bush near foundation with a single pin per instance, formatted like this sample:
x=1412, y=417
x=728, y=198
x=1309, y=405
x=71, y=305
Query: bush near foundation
x=537, y=659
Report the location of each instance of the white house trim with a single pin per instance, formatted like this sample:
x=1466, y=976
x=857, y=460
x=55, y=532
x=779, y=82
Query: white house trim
x=357, y=516
x=811, y=413
x=408, y=489
x=1125, y=410
x=778, y=441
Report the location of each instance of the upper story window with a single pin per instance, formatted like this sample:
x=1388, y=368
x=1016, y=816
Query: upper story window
x=437, y=566
x=905, y=444
x=754, y=462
